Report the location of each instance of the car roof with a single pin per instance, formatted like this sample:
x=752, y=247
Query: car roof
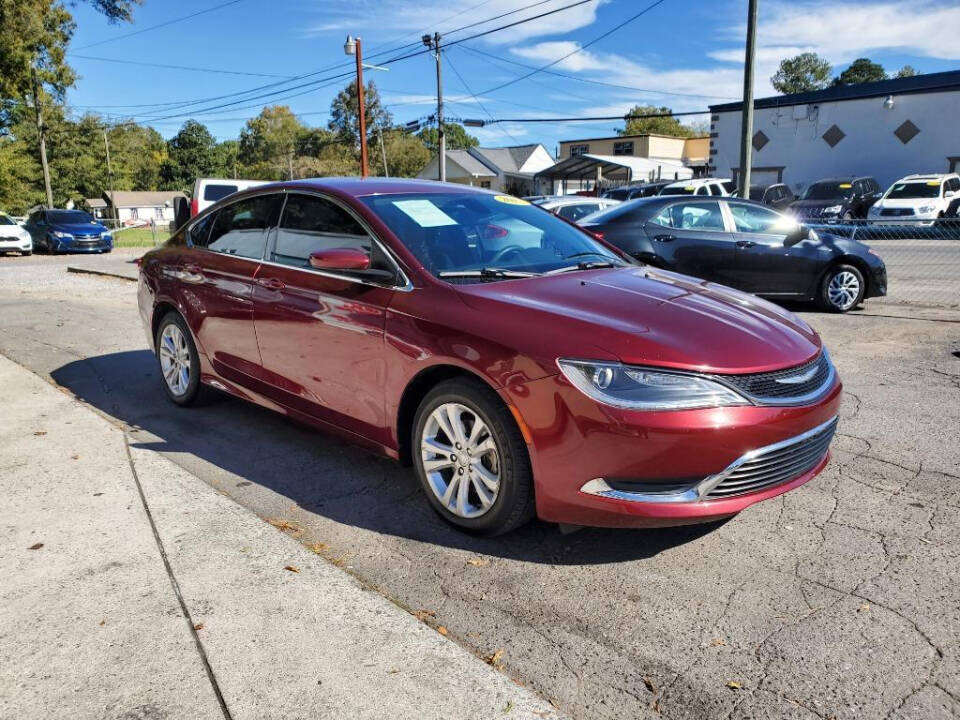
x=570, y=199
x=362, y=187
x=698, y=181
x=927, y=176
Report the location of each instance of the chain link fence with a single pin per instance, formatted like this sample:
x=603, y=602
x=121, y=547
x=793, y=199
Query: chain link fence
x=922, y=256
x=142, y=233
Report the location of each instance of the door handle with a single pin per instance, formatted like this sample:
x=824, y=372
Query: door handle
x=271, y=283
x=664, y=238
x=745, y=243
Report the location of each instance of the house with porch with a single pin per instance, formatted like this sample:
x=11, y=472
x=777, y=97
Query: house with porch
x=509, y=169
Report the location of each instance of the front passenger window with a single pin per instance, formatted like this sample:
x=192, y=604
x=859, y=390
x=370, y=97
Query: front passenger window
x=754, y=219
x=241, y=228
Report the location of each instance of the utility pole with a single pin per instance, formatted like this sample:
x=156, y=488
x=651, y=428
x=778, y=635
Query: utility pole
x=746, y=124
x=113, y=204
x=434, y=42
x=355, y=47
x=383, y=153
x=42, y=136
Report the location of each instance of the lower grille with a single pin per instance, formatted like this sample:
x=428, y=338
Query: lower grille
x=772, y=465
x=896, y=212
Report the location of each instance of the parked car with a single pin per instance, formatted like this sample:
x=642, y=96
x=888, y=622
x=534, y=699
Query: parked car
x=700, y=186
x=14, y=237
x=207, y=191
x=574, y=207
x=837, y=199
x=68, y=231
x=629, y=192
x=778, y=196
x=560, y=380
x=745, y=245
x=918, y=197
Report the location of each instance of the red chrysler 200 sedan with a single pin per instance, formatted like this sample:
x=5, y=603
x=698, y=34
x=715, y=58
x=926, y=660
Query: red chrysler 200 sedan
x=519, y=363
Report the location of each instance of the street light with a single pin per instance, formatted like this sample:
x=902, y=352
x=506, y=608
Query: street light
x=355, y=47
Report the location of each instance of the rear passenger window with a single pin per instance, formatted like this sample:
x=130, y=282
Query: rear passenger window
x=692, y=216
x=241, y=228
x=311, y=223
x=214, y=192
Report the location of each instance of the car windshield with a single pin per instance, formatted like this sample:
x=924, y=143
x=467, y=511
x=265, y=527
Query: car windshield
x=69, y=216
x=6, y=220
x=828, y=191
x=480, y=237
x=903, y=191
x=756, y=193
x=679, y=190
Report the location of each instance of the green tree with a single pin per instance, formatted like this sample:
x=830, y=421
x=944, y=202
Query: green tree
x=804, y=73
x=406, y=154
x=191, y=153
x=861, y=70
x=457, y=138
x=344, y=116
x=268, y=143
x=664, y=124
x=906, y=71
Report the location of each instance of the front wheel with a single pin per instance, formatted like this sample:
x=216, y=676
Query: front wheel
x=178, y=360
x=471, y=458
x=842, y=289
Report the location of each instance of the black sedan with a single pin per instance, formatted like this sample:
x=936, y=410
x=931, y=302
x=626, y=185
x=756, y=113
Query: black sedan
x=745, y=245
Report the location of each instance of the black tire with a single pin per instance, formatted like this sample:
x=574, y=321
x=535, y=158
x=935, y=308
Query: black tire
x=27, y=253
x=196, y=393
x=824, y=300
x=848, y=216
x=514, y=503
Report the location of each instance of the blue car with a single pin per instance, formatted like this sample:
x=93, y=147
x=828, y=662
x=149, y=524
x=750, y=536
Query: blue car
x=62, y=231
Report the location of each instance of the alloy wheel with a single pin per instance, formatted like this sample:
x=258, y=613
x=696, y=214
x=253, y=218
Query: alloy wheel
x=461, y=460
x=175, y=359
x=843, y=290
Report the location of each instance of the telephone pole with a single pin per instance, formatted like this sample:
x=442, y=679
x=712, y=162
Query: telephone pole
x=355, y=47
x=746, y=124
x=113, y=204
x=434, y=42
x=42, y=136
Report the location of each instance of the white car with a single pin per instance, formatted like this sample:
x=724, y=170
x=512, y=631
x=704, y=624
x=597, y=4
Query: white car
x=917, y=197
x=701, y=186
x=14, y=237
x=574, y=207
x=207, y=191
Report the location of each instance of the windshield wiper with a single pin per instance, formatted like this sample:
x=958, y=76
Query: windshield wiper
x=486, y=273
x=586, y=265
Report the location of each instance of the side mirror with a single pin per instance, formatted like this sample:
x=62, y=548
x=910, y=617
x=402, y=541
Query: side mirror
x=950, y=193
x=796, y=235
x=340, y=259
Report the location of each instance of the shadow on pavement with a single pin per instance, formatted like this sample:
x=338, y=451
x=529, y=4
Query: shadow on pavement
x=322, y=474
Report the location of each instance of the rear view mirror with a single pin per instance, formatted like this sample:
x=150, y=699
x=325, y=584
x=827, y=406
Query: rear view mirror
x=340, y=259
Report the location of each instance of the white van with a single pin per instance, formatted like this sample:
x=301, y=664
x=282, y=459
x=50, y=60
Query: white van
x=206, y=191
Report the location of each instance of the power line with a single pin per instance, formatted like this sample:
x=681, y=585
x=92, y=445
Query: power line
x=482, y=106
x=591, y=81
x=179, y=67
x=159, y=25
x=594, y=118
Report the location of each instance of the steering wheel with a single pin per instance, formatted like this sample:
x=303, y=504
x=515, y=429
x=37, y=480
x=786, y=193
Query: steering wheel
x=503, y=252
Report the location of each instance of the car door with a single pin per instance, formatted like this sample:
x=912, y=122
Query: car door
x=690, y=236
x=321, y=333
x=216, y=274
x=765, y=266
x=37, y=226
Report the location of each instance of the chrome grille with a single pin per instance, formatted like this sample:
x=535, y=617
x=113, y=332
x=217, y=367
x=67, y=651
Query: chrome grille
x=771, y=465
x=791, y=384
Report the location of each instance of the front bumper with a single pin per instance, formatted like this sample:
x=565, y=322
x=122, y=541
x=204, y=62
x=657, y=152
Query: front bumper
x=648, y=456
x=73, y=245
x=8, y=244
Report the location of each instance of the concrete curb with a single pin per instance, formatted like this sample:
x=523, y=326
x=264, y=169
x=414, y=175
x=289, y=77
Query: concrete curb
x=285, y=633
x=102, y=273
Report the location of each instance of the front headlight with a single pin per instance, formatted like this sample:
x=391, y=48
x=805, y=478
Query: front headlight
x=832, y=210
x=59, y=234
x=926, y=208
x=637, y=388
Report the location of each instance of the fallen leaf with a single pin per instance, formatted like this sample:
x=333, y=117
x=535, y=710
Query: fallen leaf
x=494, y=659
x=287, y=526
x=478, y=562
x=392, y=671
x=718, y=642
x=442, y=630
x=734, y=685
x=244, y=549
x=864, y=607
x=924, y=541
x=649, y=684
x=292, y=568
x=74, y=457
x=317, y=547
x=35, y=546
x=40, y=432
x=198, y=626
x=422, y=615
x=508, y=708
x=103, y=622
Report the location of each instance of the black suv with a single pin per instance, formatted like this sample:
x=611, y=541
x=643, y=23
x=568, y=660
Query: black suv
x=777, y=196
x=835, y=199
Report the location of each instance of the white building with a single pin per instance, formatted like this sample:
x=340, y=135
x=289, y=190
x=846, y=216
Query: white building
x=133, y=207
x=503, y=169
x=884, y=129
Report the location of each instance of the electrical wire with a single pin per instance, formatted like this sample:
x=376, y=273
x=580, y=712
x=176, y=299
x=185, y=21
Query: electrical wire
x=120, y=61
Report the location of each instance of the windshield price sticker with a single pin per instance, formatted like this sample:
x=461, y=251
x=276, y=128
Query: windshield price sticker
x=510, y=200
x=424, y=213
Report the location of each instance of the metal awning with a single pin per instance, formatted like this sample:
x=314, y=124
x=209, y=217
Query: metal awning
x=615, y=167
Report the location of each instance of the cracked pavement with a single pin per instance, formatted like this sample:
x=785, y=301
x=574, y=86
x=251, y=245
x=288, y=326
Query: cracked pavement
x=836, y=600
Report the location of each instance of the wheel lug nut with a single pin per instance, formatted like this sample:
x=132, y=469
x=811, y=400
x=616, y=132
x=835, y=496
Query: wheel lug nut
x=458, y=446
x=460, y=471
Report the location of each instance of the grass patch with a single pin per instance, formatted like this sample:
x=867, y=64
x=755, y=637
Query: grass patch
x=138, y=237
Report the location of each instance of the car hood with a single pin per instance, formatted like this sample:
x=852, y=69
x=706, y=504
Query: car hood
x=818, y=203
x=644, y=316
x=906, y=202
x=79, y=228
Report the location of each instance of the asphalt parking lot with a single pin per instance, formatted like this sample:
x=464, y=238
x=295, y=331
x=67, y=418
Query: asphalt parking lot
x=836, y=600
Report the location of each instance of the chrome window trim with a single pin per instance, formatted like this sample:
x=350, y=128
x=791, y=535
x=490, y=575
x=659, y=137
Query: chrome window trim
x=698, y=491
x=406, y=285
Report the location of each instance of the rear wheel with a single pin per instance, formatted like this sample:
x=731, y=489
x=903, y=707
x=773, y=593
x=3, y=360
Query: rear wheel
x=841, y=289
x=179, y=362
x=471, y=458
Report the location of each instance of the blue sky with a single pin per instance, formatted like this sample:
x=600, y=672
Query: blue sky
x=685, y=54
